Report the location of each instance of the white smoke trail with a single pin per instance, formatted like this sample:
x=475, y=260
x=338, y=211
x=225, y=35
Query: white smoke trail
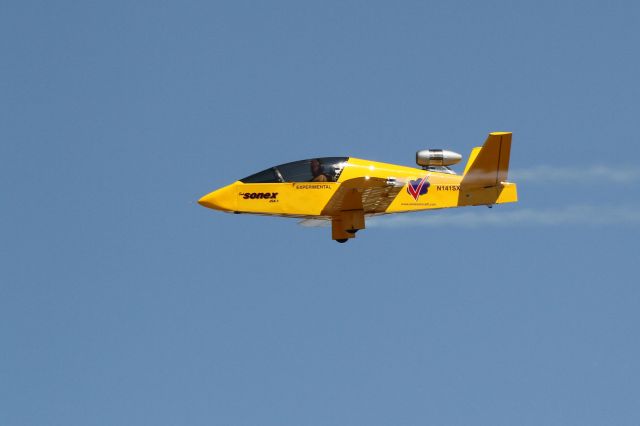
x=590, y=173
x=579, y=215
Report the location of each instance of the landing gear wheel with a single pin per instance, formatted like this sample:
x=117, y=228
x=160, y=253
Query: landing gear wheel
x=342, y=240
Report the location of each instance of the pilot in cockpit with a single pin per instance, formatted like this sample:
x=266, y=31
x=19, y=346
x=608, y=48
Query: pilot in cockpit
x=317, y=172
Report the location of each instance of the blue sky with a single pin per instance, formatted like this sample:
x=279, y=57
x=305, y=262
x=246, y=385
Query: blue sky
x=124, y=302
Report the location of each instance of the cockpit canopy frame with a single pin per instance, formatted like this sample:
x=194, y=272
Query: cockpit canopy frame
x=322, y=169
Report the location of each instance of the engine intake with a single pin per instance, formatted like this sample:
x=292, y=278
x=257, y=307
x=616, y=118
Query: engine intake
x=437, y=157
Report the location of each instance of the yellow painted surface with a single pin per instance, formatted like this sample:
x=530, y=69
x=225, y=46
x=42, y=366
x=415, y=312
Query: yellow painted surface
x=367, y=187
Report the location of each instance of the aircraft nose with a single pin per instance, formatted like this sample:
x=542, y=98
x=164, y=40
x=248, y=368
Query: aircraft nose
x=209, y=200
x=220, y=199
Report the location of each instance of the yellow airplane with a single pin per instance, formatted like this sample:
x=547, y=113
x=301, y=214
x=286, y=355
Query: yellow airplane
x=346, y=190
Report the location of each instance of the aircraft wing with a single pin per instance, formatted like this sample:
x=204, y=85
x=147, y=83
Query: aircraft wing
x=372, y=195
x=319, y=222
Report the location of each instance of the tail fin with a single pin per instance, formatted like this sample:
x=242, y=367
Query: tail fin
x=488, y=166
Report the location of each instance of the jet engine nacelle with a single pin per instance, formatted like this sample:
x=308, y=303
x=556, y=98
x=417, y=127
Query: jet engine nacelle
x=437, y=157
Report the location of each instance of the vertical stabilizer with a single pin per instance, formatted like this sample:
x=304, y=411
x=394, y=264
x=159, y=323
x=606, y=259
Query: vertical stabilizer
x=488, y=165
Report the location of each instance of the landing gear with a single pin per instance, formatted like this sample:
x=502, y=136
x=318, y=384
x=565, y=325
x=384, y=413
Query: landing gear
x=345, y=225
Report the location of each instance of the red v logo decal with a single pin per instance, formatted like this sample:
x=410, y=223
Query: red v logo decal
x=418, y=187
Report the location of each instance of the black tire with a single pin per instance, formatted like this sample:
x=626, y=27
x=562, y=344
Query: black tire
x=342, y=240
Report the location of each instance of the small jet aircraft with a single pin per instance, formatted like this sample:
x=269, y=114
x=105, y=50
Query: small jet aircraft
x=346, y=190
